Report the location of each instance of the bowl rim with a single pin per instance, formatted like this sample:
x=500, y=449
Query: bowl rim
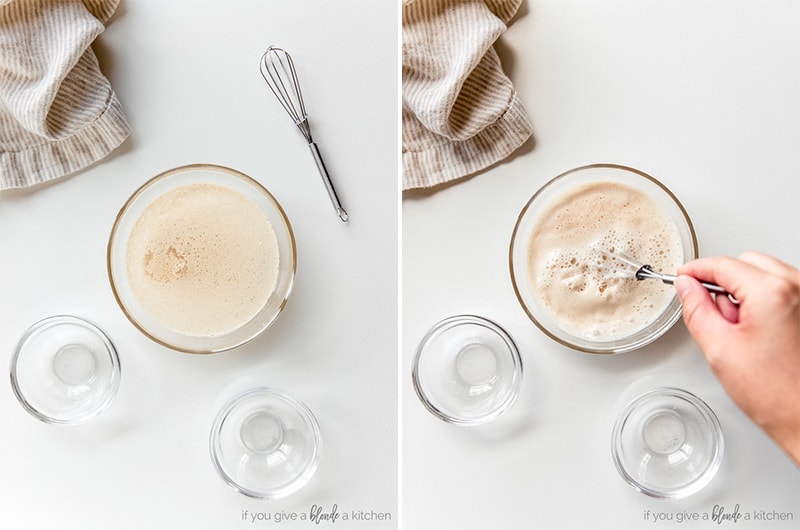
x=161, y=177
x=514, y=234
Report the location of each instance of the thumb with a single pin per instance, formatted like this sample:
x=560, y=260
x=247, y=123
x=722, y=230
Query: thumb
x=700, y=313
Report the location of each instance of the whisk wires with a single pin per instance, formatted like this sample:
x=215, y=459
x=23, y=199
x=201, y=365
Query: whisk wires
x=277, y=69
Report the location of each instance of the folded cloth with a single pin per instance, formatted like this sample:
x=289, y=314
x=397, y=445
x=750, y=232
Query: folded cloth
x=58, y=113
x=460, y=111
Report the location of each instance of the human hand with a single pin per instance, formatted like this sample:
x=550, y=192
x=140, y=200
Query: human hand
x=752, y=348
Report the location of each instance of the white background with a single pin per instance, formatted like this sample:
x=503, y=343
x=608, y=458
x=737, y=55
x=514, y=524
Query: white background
x=187, y=75
x=703, y=95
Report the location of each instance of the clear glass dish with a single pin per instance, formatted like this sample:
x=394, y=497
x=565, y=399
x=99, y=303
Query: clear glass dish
x=532, y=214
x=65, y=370
x=467, y=370
x=667, y=443
x=133, y=307
x=265, y=444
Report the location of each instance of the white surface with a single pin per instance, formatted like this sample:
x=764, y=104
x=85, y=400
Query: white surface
x=187, y=75
x=702, y=95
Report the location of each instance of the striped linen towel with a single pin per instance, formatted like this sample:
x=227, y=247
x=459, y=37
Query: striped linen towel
x=460, y=111
x=58, y=113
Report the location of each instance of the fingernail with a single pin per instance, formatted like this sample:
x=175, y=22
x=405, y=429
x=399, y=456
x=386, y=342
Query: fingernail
x=683, y=286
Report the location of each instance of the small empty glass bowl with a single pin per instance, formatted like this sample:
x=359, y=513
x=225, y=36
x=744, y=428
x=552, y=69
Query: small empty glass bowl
x=667, y=443
x=171, y=266
x=265, y=444
x=467, y=370
x=65, y=370
x=535, y=212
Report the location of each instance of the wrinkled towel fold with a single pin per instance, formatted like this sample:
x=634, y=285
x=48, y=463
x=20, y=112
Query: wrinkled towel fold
x=460, y=111
x=58, y=113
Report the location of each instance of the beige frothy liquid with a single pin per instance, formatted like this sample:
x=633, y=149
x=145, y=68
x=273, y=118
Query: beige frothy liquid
x=202, y=259
x=586, y=293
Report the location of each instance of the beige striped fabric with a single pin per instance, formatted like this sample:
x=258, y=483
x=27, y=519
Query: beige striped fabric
x=58, y=113
x=460, y=111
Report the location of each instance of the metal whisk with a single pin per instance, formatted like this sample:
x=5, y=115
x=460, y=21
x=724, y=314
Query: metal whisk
x=278, y=71
x=646, y=272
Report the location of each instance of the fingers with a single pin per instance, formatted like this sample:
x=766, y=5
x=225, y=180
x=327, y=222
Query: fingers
x=727, y=308
x=736, y=276
x=741, y=276
x=769, y=264
x=705, y=321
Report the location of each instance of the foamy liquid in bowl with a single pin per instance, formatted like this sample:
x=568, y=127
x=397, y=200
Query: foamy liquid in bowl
x=202, y=259
x=587, y=293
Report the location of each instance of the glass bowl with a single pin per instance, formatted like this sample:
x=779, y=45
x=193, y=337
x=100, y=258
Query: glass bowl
x=467, y=370
x=667, y=443
x=65, y=370
x=539, y=210
x=211, y=264
x=265, y=444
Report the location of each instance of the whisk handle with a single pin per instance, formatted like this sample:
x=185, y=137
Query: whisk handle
x=669, y=279
x=326, y=179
